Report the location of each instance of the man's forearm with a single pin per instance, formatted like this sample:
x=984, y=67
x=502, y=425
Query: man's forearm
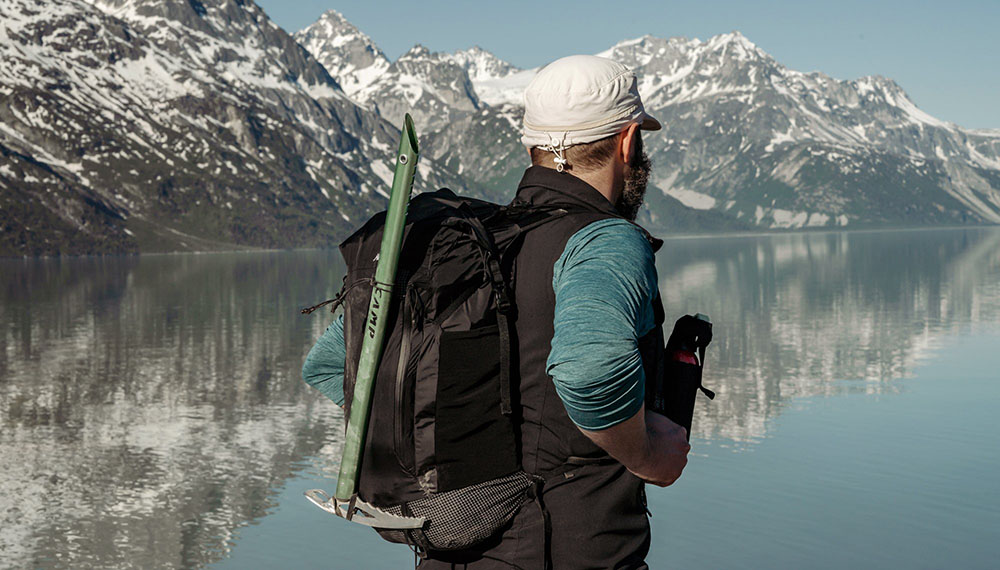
x=648, y=444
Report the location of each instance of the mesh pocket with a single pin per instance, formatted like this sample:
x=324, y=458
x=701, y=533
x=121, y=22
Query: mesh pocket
x=461, y=518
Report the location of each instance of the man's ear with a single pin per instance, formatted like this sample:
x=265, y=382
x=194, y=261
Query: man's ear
x=627, y=146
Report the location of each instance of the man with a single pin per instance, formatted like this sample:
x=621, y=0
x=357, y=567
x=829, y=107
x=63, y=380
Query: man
x=586, y=295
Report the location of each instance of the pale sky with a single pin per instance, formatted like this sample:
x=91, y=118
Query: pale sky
x=946, y=55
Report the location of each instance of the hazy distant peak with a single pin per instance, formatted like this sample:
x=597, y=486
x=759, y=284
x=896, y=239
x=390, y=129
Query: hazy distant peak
x=346, y=52
x=733, y=37
x=477, y=49
x=333, y=17
x=877, y=82
x=332, y=29
x=630, y=44
x=641, y=51
x=416, y=52
x=482, y=65
x=634, y=41
x=735, y=46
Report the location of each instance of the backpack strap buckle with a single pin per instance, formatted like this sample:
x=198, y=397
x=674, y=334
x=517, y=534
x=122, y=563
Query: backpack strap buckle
x=503, y=304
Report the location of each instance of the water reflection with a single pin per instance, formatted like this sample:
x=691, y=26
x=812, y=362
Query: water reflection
x=150, y=406
x=824, y=313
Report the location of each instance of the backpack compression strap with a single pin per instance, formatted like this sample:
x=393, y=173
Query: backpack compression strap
x=501, y=291
x=501, y=296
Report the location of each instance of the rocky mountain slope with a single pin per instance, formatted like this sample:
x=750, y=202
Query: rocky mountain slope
x=780, y=148
x=130, y=125
x=148, y=125
x=349, y=55
x=435, y=88
x=747, y=142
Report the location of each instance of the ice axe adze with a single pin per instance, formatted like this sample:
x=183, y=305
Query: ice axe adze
x=346, y=503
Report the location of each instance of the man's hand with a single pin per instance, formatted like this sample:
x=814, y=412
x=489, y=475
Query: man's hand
x=648, y=444
x=669, y=451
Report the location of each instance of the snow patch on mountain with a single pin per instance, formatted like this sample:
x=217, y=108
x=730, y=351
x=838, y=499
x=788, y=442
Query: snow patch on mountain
x=433, y=87
x=690, y=198
x=348, y=54
x=496, y=82
x=507, y=90
x=482, y=65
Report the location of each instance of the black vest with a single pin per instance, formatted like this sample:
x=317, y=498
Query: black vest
x=551, y=444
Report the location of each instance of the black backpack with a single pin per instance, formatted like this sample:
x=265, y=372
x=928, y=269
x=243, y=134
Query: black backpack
x=441, y=441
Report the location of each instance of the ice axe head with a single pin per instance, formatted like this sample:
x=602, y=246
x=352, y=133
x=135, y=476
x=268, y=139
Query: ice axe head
x=361, y=512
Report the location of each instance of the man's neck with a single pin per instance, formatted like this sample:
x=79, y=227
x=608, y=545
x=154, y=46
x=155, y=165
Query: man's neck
x=602, y=180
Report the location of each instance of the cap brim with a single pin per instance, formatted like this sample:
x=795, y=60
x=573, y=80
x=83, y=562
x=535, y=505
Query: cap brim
x=650, y=124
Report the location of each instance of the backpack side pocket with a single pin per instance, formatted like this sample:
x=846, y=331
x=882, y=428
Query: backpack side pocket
x=474, y=441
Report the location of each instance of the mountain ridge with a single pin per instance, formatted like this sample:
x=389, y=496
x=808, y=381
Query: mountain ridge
x=753, y=140
x=141, y=125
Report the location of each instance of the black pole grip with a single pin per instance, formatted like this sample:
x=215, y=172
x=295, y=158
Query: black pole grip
x=679, y=392
x=673, y=385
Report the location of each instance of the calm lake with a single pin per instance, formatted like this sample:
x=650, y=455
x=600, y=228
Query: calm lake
x=152, y=414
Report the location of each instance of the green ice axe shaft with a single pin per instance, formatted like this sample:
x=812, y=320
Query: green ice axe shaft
x=345, y=502
x=378, y=310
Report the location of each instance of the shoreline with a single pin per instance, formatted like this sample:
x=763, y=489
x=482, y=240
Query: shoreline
x=665, y=237
x=795, y=231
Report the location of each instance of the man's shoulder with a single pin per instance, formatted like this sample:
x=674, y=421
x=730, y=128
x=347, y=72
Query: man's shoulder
x=614, y=228
x=612, y=239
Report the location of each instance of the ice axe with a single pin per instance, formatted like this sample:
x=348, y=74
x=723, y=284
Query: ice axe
x=345, y=502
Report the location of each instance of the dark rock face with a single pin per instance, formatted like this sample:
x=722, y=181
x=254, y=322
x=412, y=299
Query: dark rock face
x=150, y=126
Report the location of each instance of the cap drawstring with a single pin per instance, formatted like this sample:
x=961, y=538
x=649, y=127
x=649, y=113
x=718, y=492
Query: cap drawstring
x=557, y=148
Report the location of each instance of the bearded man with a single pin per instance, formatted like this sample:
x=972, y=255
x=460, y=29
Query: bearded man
x=585, y=290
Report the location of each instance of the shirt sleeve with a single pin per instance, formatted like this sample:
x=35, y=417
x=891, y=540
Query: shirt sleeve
x=324, y=366
x=604, y=284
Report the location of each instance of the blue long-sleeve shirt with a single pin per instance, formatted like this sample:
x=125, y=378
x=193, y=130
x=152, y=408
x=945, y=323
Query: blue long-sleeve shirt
x=604, y=283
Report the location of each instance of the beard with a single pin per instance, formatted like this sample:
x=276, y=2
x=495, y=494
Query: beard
x=636, y=178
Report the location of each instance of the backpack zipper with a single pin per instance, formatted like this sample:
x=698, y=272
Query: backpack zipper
x=404, y=357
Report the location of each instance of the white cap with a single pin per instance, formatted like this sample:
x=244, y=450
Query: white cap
x=581, y=99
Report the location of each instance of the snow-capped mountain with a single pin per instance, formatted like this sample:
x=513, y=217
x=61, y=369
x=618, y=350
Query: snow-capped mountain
x=482, y=65
x=496, y=82
x=148, y=124
x=430, y=86
x=780, y=148
x=436, y=88
x=745, y=139
x=130, y=125
x=346, y=52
